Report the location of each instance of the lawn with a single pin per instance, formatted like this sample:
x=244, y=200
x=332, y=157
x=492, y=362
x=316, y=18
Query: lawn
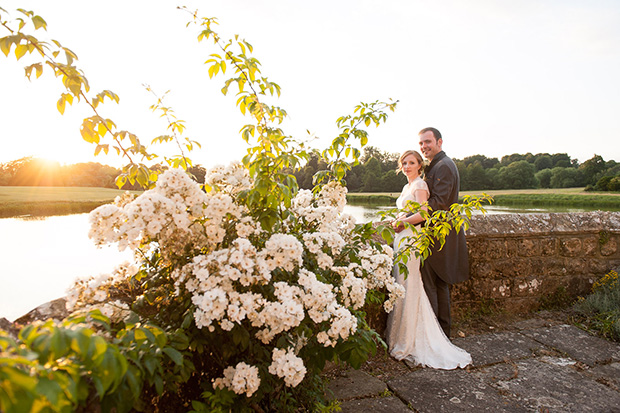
x=44, y=200
x=525, y=197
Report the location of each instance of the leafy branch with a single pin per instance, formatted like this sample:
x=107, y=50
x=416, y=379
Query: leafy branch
x=434, y=230
x=342, y=148
x=95, y=128
x=272, y=154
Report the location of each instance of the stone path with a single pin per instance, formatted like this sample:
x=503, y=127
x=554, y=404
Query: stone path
x=556, y=368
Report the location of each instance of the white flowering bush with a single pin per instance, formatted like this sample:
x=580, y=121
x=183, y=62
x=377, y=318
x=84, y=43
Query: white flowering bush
x=263, y=308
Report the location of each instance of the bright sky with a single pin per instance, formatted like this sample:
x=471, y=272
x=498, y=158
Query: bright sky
x=495, y=77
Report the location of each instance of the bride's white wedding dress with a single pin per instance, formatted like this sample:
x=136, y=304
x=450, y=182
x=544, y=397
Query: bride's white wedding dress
x=413, y=332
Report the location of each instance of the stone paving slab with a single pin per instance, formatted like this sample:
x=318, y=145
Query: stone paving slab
x=550, y=384
x=608, y=375
x=355, y=384
x=535, y=368
x=389, y=404
x=578, y=344
x=428, y=390
x=494, y=348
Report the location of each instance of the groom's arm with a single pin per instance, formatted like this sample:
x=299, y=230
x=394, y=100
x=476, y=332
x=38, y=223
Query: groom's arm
x=443, y=184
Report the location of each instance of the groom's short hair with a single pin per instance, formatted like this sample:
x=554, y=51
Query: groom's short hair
x=435, y=132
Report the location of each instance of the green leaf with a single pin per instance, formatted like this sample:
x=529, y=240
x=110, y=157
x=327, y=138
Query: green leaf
x=135, y=385
x=150, y=364
x=20, y=378
x=98, y=347
x=159, y=384
x=50, y=389
x=98, y=385
x=174, y=355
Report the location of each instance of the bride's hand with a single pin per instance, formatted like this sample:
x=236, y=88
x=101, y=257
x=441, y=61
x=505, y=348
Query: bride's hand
x=398, y=226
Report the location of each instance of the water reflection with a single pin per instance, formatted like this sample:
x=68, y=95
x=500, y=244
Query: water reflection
x=366, y=213
x=42, y=256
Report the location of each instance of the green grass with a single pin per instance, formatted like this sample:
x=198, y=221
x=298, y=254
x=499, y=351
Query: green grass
x=575, y=197
x=37, y=200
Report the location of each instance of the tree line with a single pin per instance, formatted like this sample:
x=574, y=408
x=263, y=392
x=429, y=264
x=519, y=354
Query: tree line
x=30, y=171
x=376, y=172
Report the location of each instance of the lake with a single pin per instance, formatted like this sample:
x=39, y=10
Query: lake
x=41, y=257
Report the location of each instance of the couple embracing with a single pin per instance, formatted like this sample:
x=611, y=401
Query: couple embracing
x=418, y=327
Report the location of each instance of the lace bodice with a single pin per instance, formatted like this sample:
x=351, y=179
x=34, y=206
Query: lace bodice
x=408, y=192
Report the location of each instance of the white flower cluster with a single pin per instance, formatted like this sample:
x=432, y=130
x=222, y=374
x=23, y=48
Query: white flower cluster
x=241, y=379
x=231, y=179
x=333, y=195
x=281, y=315
x=247, y=227
x=176, y=214
x=326, y=210
x=379, y=267
x=282, y=251
x=322, y=244
x=288, y=366
x=94, y=293
x=353, y=290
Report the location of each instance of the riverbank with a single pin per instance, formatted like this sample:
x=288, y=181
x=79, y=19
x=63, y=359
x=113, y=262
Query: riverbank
x=52, y=200
x=573, y=197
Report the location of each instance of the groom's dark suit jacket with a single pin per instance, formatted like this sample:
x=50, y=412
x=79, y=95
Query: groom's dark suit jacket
x=451, y=262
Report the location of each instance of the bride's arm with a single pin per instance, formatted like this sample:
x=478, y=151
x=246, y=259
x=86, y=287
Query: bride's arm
x=421, y=196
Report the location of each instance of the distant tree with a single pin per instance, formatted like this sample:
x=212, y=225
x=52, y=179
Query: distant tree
x=4, y=178
x=543, y=161
x=31, y=171
x=566, y=178
x=518, y=175
x=593, y=169
x=544, y=177
x=353, y=180
x=614, y=184
x=305, y=173
x=392, y=182
x=561, y=160
x=373, y=152
x=371, y=179
x=90, y=174
x=608, y=183
x=485, y=162
x=492, y=178
x=603, y=183
x=509, y=159
x=473, y=176
x=10, y=169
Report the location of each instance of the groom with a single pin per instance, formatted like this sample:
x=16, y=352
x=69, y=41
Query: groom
x=449, y=265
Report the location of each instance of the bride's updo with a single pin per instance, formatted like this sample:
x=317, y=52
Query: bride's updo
x=416, y=155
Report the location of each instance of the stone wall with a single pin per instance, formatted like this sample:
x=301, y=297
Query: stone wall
x=518, y=261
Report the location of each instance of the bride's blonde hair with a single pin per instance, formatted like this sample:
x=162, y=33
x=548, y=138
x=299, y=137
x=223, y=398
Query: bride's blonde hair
x=416, y=155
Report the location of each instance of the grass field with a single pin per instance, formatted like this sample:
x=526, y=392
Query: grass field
x=525, y=197
x=50, y=200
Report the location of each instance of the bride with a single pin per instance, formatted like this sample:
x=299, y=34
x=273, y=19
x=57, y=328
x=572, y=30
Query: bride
x=413, y=332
